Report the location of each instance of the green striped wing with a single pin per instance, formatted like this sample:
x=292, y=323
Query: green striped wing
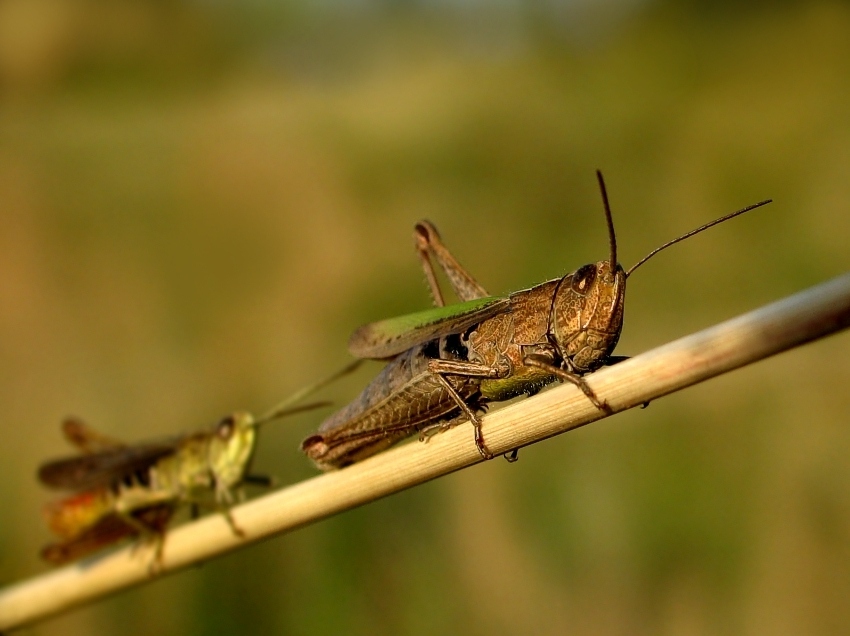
x=388, y=338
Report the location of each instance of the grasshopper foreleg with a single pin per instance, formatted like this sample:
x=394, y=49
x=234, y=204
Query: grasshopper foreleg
x=228, y=516
x=534, y=361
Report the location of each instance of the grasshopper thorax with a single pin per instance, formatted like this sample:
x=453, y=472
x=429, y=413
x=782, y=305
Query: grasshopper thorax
x=586, y=316
x=231, y=448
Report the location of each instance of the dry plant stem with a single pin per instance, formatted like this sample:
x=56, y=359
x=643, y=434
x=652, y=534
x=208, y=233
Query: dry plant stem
x=812, y=314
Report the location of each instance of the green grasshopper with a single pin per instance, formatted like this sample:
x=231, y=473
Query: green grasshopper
x=123, y=491
x=449, y=362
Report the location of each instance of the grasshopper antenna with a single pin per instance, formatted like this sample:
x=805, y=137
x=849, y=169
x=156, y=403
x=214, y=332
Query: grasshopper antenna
x=612, y=238
x=292, y=410
x=696, y=231
x=286, y=407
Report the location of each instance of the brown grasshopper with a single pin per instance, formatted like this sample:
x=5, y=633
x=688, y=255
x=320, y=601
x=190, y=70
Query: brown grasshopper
x=124, y=491
x=449, y=362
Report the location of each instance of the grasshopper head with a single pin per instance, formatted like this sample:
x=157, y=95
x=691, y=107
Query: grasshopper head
x=587, y=314
x=231, y=448
x=587, y=309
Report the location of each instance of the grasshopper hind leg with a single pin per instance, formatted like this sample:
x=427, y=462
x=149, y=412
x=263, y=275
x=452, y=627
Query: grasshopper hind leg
x=428, y=244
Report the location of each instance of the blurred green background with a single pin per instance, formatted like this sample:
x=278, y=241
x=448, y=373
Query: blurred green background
x=199, y=200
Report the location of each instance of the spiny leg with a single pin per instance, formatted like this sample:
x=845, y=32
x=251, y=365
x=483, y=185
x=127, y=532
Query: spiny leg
x=473, y=418
x=471, y=369
x=428, y=268
x=428, y=242
x=441, y=368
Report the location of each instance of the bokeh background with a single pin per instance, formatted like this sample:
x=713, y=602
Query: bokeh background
x=200, y=199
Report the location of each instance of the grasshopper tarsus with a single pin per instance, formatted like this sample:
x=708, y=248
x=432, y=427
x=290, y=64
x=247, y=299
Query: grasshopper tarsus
x=234, y=527
x=479, y=440
x=512, y=456
x=482, y=450
x=580, y=382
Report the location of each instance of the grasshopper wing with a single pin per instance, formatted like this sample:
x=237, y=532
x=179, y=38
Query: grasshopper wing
x=388, y=338
x=91, y=470
x=85, y=438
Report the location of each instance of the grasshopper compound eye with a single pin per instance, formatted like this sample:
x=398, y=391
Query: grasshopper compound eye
x=224, y=429
x=583, y=279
